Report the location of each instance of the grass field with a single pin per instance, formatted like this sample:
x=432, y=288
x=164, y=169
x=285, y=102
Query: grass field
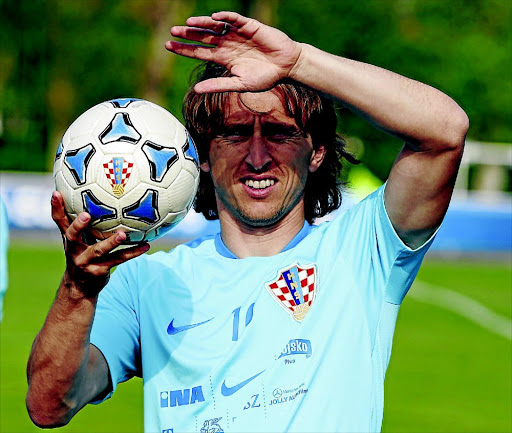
x=447, y=373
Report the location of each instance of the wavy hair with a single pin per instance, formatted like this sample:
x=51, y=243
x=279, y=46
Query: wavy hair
x=314, y=114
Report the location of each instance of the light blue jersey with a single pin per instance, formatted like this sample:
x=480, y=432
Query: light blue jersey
x=299, y=341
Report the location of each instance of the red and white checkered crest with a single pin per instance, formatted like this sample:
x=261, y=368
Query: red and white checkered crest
x=118, y=171
x=294, y=289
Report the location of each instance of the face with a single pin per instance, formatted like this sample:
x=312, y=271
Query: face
x=261, y=161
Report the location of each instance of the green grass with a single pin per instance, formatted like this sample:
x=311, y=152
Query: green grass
x=446, y=374
x=489, y=283
x=34, y=274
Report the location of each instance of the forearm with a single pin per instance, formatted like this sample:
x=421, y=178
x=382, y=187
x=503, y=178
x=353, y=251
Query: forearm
x=430, y=123
x=65, y=372
x=59, y=363
x=425, y=118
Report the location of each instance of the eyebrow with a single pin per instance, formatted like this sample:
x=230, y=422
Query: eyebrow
x=270, y=128
x=241, y=128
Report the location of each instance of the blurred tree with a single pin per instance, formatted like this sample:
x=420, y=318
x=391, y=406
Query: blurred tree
x=58, y=58
x=462, y=47
x=23, y=65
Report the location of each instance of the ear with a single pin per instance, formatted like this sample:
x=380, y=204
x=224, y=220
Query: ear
x=317, y=157
x=205, y=166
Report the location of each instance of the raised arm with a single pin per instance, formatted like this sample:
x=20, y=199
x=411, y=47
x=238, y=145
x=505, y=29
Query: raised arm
x=431, y=124
x=65, y=371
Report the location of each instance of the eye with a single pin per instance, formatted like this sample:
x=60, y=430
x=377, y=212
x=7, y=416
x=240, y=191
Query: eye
x=280, y=137
x=281, y=133
x=236, y=133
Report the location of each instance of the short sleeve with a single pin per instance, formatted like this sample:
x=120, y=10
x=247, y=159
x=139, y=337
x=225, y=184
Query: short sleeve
x=115, y=330
x=404, y=262
x=381, y=264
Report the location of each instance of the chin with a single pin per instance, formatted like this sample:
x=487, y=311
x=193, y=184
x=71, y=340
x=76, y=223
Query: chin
x=261, y=220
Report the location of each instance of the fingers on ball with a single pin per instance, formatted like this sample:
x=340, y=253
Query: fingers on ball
x=77, y=227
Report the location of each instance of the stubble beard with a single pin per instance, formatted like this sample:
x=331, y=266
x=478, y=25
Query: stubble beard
x=248, y=218
x=261, y=221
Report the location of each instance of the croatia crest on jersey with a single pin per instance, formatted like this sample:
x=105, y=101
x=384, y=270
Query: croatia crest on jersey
x=118, y=172
x=294, y=289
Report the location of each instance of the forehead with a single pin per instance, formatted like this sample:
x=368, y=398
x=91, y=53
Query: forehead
x=268, y=106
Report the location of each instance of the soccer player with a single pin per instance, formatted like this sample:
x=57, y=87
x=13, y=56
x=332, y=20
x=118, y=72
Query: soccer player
x=274, y=324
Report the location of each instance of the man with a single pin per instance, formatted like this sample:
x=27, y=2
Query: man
x=273, y=325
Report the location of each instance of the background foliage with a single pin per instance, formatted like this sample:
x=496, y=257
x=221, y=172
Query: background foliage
x=58, y=58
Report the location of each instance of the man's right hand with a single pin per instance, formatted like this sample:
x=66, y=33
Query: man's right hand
x=65, y=371
x=88, y=266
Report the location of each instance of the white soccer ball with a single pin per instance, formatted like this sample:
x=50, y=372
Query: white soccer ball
x=131, y=165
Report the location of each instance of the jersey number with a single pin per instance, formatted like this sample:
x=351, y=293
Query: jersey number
x=236, y=319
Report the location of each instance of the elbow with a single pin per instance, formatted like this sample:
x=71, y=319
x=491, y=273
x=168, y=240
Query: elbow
x=42, y=421
x=43, y=415
x=446, y=136
x=456, y=130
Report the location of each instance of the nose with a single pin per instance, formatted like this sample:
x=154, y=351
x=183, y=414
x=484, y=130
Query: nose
x=258, y=158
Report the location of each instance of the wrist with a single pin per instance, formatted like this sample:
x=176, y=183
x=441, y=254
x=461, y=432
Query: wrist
x=296, y=72
x=77, y=289
x=74, y=304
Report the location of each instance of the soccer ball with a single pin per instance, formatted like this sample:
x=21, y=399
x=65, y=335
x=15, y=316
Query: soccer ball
x=131, y=165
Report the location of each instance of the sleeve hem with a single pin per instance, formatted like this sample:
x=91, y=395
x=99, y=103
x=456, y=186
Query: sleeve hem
x=112, y=383
x=403, y=246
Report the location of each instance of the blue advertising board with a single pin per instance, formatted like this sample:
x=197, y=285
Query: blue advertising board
x=472, y=224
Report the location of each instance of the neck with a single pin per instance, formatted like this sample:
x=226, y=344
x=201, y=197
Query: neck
x=244, y=240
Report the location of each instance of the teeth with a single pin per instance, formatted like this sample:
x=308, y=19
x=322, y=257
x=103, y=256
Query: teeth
x=259, y=184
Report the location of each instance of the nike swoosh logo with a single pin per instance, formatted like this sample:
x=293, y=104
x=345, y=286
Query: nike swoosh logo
x=173, y=330
x=230, y=390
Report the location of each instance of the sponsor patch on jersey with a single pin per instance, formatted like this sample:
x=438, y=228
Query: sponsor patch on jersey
x=181, y=397
x=212, y=426
x=118, y=172
x=287, y=395
x=297, y=347
x=294, y=289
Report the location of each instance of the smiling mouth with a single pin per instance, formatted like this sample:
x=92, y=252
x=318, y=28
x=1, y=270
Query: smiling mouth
x=259, y=184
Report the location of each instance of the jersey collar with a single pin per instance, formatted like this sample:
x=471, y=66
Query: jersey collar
x=223, y=250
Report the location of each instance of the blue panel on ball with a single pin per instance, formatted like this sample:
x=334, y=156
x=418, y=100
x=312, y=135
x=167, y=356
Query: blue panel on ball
x=77, y=161
x=98, y=211
x=123, y=102
x=120, y=129
x=151, y=235
x=59, y=151
x=190, y=151
x=160, y=159
x=145, y=209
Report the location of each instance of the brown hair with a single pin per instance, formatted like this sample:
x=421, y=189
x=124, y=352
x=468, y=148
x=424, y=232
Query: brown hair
x=205, y=115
